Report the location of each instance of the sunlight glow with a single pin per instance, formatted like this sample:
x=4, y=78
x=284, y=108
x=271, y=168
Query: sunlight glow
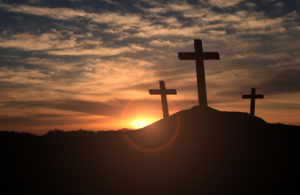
x=137, y=124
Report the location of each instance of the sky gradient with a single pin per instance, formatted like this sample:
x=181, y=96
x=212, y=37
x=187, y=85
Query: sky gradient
x=89, y=63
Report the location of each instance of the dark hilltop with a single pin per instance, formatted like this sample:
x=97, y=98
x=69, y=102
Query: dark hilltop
x=193, y=151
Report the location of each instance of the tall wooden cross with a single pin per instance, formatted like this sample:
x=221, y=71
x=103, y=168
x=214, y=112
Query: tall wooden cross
x=252, y=96
x=199, y=56
x=163, y=92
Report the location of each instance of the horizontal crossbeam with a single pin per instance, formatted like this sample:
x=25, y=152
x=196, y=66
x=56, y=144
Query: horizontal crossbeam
x=204, y=56
x=159, y=92
x=154, y=91
x=256, y=96
x=259, y=96
x=171, y=91
x=246, y=96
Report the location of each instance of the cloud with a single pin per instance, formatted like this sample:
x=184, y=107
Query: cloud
x=111, y=2
x=166, y=43
x=55, y=13
x=250, y=4
x=19, y=74
x=224, y=3
x=58, y=44
x=148, y=25
x=33, y=42
x=160, y=30
x=110, y=18
x=179, y=6
x=159, y=7
x=286, y=81
x=269, y=82
x=79, y=106
x=99, y=51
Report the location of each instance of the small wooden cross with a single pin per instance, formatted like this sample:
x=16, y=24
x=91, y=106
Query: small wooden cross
x=199, y=56
x=163, y=92
x=252, y=96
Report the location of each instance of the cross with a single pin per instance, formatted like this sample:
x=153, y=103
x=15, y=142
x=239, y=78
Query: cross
x=199, y=56
x=252, y=96
x=163, y=92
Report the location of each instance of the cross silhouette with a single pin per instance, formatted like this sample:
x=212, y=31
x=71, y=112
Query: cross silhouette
x=163, y=92
x=199, y=56
x=252, y=96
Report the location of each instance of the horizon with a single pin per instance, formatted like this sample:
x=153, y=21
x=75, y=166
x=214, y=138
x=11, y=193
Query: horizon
x=89, y=64
x=132, y=128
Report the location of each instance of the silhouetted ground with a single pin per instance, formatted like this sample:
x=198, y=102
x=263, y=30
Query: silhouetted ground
x=193, y=151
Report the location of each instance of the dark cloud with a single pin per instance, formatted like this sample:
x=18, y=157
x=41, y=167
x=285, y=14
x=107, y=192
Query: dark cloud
x=35, y=120
x=273, y=83
x=81, y=106
x=12, y=85
x=109, y=108
x=286, y=81
x=292, y=107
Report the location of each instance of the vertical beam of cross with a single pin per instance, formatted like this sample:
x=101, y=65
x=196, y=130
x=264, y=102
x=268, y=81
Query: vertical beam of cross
x=163, y=92
x=253, y=96
x=199, y=56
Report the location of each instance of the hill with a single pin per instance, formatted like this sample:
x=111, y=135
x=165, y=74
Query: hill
x=193, y=151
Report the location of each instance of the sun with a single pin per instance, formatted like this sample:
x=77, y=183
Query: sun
x=139, y=123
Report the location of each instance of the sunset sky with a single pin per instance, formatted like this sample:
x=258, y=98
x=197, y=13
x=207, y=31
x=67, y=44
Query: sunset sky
x=89, y=63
